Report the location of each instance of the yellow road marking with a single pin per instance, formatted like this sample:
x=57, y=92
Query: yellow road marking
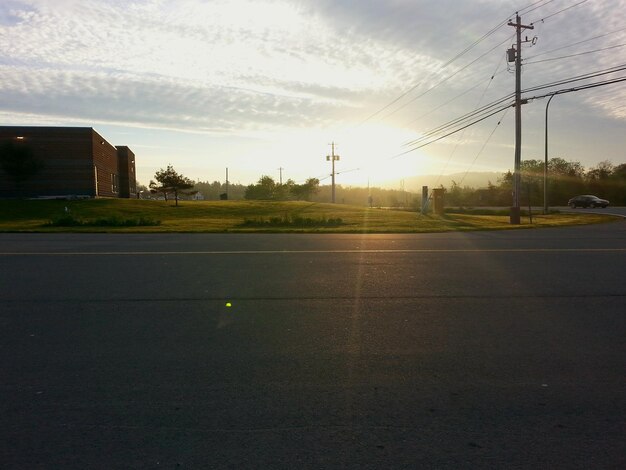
x=286, y=252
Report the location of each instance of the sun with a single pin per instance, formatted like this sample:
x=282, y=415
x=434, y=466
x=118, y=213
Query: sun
x=376, y=152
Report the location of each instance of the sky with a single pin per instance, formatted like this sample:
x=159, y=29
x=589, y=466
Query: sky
x=263, y=87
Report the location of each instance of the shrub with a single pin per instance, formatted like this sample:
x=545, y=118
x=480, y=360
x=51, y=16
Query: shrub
x=296, y=222
x=71, y=221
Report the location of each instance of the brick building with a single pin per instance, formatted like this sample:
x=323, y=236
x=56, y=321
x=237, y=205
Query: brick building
x=77, y=162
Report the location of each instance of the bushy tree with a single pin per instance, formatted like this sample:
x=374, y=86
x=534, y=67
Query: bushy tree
x=169, y=181
x=264, y=189
x=305, y=192
x=565, y=180
x=214, y=190
x=598, y=179
x=617, y=185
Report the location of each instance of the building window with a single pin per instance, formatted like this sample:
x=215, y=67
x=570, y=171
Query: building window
x=115, y=183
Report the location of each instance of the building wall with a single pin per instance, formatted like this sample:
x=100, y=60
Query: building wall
x=105, y=167
x=77, y=162
x=66, y=153
x=126, y=170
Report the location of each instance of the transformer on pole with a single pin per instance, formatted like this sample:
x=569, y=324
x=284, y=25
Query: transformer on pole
x=516, y=53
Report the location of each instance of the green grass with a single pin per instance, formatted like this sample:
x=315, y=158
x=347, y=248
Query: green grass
x=68, y=220
x=126, y=216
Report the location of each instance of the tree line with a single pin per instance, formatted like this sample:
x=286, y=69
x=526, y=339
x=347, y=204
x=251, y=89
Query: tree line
x=565, y=180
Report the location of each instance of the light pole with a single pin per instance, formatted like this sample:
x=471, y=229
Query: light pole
x=545, y=163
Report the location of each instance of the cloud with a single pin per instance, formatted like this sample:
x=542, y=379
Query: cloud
x=241, y=65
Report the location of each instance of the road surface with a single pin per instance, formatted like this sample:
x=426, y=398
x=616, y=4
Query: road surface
x=478, y=350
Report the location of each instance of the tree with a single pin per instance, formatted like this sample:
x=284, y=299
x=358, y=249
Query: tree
x=305, y=191
x=598, y=179
x=617, y=184
x=267, y=188
x=158, y=188
x=19, y=162
x=169, y=181
x=532, y=181
x=264, y=189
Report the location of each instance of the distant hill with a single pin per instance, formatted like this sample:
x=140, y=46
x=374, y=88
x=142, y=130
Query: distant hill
x=472, y=179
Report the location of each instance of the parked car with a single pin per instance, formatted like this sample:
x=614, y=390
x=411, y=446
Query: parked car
x=587, y=200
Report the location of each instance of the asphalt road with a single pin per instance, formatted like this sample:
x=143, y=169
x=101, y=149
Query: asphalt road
x=455, y=350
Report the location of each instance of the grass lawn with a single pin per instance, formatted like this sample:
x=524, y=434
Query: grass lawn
x=251, y=216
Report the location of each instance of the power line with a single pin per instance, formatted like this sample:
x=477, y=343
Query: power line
x=452, y=132
x=492, y=31
x=575, y=55
x=484, y=112
x=487, y=108
x=579, y=88
x=443, y=104
x=576, y=43
x=560, y=11
x=441, y=82
x=562, y=91
x=587, y=76
x=460, y=120
x=484, y=145
x=463, y=133
x=443, y=67
x=526, y=10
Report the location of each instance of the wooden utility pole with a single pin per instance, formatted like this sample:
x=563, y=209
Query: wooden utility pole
x=226, y=182
x=515, y=210
x=332, y=157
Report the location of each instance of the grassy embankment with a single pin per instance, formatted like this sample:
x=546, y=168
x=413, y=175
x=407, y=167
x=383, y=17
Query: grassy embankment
x=111, y=215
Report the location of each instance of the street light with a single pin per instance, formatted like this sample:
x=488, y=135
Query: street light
x=545, y=164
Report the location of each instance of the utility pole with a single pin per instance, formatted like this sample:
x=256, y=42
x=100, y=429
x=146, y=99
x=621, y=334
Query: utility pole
x=332, y=157
x=226, y=182
x=515, y=210
x=281, y=175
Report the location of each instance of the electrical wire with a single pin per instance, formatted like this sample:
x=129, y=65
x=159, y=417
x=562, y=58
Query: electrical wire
x=460, y=120
x=576, y=43
x=599, y=73
x=487, y=108
x=456, y=146
x=441, y=82
x=575, y=55
x=526, y=10
x=579, y=88
x=558, y=12
x=484, y=145
x=558, y=92
x=451, y=133
x=443, y=67
x=422, y=116
x=486, y=111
